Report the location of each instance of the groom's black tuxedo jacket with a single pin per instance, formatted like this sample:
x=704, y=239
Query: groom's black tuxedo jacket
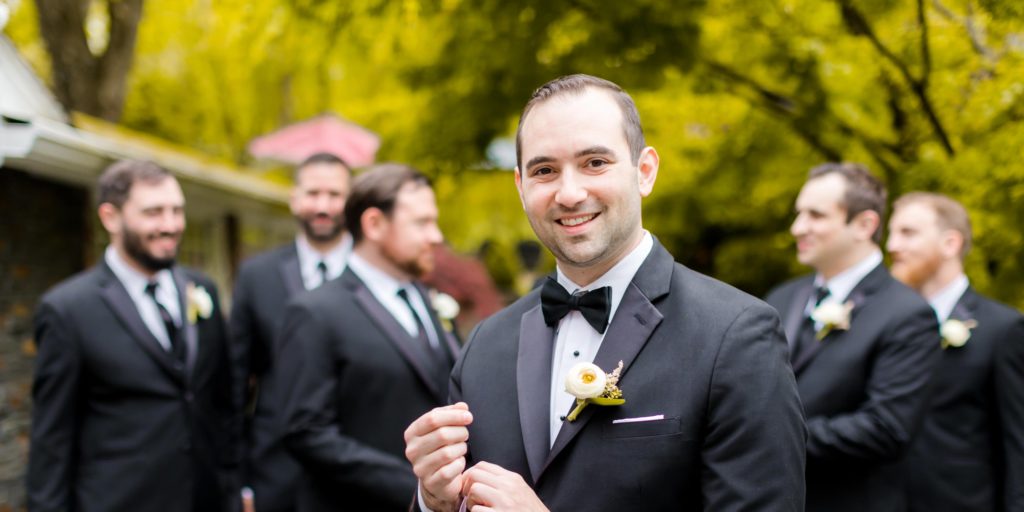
x=357, y=381
x=970, y=454
x=117, y=423
x=264, y=285
x=864, y=391
x=709, y=358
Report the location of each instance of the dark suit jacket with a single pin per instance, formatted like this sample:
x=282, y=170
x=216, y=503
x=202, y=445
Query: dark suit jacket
x=117, y=423
x=864, y=391
x=709, y=358
x=359, y=380
x=970, y=453
x=264, y=285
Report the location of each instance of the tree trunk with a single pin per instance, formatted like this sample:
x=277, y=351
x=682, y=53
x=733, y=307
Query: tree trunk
x=93, y=84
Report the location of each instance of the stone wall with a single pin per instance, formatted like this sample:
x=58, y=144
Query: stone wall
x=44, y=238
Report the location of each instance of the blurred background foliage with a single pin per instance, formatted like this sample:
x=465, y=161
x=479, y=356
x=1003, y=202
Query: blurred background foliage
x=741, y=98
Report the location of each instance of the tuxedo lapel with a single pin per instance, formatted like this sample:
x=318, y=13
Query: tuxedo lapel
x=291, y=274
x=860, y=295
x=630, y=329
x=533, y=386
x=190, y=333
x=124, y=309
x=392, y=330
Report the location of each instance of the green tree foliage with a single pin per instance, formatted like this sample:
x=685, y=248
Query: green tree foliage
x=741, y=97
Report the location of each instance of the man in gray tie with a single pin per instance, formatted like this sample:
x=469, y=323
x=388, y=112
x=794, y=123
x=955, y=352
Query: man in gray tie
x=704, y=412
x=132, y=407
x=365, y=353
x=265, y=284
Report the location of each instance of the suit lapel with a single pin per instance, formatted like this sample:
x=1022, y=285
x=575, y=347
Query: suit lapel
x=795, y=314
x=124, y=309
x=447, y=340
x=392, y=330
x=189, y=330
x=291, y=274
x=964, y=309
x=859, y=296
x=533, y=386
x=630, y=329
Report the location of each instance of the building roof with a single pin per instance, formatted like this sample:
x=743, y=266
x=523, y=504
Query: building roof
x=327, y=133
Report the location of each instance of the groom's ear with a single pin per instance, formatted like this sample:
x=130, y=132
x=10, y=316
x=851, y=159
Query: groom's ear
x=519, y=187
x=110, y=217
x=647, y=170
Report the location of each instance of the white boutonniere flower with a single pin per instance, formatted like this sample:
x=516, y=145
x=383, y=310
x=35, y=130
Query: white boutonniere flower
x=447, y=308
x=833, y=317
x=590, y=385
x=955, y=333
x=200, y=305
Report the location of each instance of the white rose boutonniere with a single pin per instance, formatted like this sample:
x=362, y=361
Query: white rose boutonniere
x=590, y=385
x=955, y=333
x=200, y=305
x=833, y=317
x=447, y=308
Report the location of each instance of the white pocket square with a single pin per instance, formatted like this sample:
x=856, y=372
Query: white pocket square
x=640, y=419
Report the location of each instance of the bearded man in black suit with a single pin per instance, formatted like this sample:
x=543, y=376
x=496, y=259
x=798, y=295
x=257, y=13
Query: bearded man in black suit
x=710, y=418
x=970, y=454
x=132, y=409
x=863, y=346
x=265, y=284
x=366, y=353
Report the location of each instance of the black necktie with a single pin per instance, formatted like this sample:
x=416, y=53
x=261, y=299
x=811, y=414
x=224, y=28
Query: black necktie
x=594, y=305
x=322, y=268
x=177, y=348
x=442, y=364
x=806, y=337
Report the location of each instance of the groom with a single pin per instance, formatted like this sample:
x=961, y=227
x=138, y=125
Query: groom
x=711, y=416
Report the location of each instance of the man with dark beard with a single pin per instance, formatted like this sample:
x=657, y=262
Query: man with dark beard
x=265, y=284
x=132, y=409
x=970, y=453
x=365, y=353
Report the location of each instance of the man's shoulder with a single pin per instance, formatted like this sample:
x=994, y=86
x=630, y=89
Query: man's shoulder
x=75, y=289
x=702, y=291
x=992, y=310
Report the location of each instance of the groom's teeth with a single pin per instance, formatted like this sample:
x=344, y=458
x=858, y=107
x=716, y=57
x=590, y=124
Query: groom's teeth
x=576, y=221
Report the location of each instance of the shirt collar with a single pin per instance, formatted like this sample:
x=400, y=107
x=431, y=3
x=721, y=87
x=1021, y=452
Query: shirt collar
x=618, y=277
x=133, y=280
x=335, y=258
x=944, y=301
x=379, y=282
x=840, y=286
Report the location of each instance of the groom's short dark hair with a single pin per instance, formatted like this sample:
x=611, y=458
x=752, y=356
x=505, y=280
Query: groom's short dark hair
x=578, y=84
x=378, y=187
x=117, y=180
x=864, y=192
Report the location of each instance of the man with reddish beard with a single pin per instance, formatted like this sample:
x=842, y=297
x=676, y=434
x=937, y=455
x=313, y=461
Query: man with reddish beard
x=863, y=346
x=132, y=409
x=710, y=418
x=365, y=354
x=264, y=285
x=970, y=453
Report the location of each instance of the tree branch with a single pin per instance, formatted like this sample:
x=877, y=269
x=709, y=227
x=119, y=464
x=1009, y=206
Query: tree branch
x=859, y=25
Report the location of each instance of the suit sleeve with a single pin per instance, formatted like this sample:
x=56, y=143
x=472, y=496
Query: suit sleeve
x=56, y=417
x=240, y=331
x=1009, y=388
x=897, y=395
x=225, y=397
x=753, y=452
x=312, y=435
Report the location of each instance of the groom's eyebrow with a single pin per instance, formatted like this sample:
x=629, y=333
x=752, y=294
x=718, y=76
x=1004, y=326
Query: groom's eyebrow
x=539, y=160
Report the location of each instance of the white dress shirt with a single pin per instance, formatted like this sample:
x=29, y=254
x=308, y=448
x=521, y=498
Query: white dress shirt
x=135, y=283
x=310, y=258
x=841, y=284
x=385, y=289
x=944, y=301
x=576, y=340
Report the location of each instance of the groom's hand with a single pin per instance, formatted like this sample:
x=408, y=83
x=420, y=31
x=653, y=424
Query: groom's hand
x=492, y=488
x=435, y=444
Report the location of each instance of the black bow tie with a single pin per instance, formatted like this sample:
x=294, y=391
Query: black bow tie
x=594, y=305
